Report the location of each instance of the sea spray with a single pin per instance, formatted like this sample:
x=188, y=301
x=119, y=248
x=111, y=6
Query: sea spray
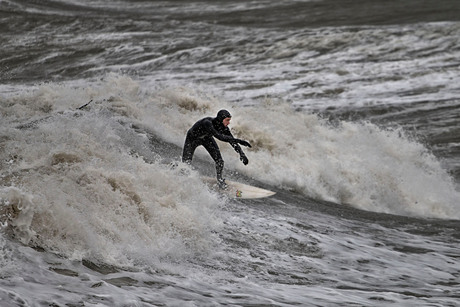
x=76, y=184
x=354, y=163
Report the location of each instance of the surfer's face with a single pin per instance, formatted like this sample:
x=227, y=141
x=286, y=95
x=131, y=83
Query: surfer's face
x=226, y=121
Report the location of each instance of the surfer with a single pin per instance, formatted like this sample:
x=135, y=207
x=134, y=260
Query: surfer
x=203, y=133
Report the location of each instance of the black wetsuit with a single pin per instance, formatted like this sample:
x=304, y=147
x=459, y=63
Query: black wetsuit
x=203, y=133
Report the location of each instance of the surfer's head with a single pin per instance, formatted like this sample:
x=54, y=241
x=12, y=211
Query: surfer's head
x=224, y=117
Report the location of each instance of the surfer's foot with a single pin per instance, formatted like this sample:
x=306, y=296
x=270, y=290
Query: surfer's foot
x=222, y=184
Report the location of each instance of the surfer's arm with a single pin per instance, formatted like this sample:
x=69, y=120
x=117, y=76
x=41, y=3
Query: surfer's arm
x=219, y=136
x=236, y=142
x=224, y=137
x=238, y=149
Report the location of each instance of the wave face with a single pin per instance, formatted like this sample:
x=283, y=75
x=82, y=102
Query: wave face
x=352, y=109
x=355, y=163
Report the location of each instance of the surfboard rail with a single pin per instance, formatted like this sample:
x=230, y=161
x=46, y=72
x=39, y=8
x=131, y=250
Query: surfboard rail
x=239, y=190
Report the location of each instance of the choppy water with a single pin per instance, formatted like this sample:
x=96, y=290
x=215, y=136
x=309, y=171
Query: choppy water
x=352, y=108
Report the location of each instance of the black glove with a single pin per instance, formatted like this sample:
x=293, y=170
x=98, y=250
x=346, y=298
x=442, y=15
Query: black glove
x=244, y=159
x=244, y=143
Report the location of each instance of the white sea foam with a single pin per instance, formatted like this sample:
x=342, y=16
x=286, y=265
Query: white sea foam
x=71, y=185
x=113, y=226
x=358, y=164
x=350, y=163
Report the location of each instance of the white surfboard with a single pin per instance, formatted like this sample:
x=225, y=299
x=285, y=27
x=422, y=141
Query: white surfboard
x=239, y=190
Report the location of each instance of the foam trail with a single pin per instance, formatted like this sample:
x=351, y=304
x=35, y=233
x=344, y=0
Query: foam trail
x=73, y=185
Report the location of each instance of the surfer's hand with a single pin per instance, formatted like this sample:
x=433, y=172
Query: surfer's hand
x=244, y=143
x=244, y=159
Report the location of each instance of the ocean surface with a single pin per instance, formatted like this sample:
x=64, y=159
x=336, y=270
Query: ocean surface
x=353, y=111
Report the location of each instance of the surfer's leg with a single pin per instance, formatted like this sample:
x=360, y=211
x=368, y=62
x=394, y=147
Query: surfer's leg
x=213, y=149
x=189, y=149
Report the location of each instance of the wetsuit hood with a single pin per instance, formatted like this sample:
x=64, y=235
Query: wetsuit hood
x=222, y=114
